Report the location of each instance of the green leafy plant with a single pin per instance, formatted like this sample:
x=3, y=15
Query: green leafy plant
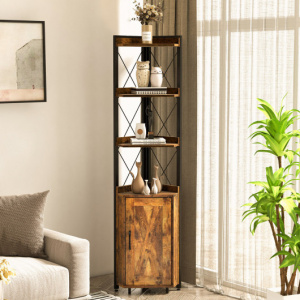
x=277, y=198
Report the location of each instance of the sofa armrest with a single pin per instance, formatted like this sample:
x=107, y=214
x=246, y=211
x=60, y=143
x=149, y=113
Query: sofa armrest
x=72, y=253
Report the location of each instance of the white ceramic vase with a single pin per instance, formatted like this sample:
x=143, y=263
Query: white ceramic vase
x=156, y=77
x=140, y=130
x=154, y=189
x=142, y=73
x=146, y=188
x=274, y=294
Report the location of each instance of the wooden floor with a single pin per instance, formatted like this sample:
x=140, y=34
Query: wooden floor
x=187, y=292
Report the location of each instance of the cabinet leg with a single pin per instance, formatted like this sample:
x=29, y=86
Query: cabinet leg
x=167, y=290
x=178, y=286
x=129, y=291
x=116, y=288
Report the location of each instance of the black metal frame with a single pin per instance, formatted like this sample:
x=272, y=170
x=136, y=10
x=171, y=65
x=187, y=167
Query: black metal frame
x=44, y=59
x=146, y=54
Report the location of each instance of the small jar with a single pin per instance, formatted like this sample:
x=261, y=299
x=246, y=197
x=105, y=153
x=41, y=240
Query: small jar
x=140, y=131
x=143, y=73
x=156, y=77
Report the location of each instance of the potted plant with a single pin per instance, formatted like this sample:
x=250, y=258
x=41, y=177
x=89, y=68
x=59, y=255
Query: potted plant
x=146, y=14
x=276, y=201
x=6, y=273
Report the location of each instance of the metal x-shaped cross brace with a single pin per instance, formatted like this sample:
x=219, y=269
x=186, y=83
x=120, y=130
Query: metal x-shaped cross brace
x=129, y=170
x=129, y=122
x=164, y=122
x=164, y=169
x=129, y=73
x=164, y=73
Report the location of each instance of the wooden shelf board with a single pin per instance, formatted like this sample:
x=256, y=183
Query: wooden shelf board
x=149, y=146
x=126, y=92
x=149, y=95
x=172, y=142
x=158, y=195
x=166, y=191
x=147, y=45
x=158, y=41
x=148, y=286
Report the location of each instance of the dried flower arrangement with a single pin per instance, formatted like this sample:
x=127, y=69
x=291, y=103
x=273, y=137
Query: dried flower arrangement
x=148, y=12
x=6, y=271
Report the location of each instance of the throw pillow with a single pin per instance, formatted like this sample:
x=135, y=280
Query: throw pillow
x=22, y=225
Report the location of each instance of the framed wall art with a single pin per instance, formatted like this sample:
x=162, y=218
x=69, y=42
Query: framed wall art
x=22, y=61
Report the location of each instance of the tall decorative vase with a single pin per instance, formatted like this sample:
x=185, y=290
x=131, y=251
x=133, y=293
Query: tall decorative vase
x=154, y=189
x=143, y=73
x=137, y=185
x=1, y=290
x=156, y=77
x=158, y=183
x=146, y=188
x=147, y=34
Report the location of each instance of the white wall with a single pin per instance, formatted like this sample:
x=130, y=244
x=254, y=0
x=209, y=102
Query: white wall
x=66, y=144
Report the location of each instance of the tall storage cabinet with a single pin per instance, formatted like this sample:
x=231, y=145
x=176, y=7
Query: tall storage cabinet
x=146, y=235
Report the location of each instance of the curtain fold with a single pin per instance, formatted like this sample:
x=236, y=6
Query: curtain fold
x=180, y=19
x=246, y=50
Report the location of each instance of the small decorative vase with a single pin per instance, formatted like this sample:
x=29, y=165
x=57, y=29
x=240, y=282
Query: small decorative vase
x=154, y=189
x=158, y=183
x=137, y=185
x=147, y=34
x=1, y=290
x=143, y=73
x=140, y=130
x=146, y=188
x=156, y=77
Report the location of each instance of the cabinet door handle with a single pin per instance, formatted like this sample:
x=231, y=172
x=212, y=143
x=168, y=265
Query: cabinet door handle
x=129, y=239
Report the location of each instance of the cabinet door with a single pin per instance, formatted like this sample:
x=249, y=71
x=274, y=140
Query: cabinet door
x=148, y=241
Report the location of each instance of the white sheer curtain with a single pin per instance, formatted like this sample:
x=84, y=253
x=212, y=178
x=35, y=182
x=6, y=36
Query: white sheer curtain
x=246, y=49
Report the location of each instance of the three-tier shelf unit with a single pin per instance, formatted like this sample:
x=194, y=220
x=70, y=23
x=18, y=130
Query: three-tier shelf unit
x=146, y=227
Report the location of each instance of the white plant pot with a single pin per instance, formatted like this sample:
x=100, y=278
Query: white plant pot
x=274, y=294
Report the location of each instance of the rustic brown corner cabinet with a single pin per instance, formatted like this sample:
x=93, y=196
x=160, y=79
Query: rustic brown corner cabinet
x=146, y=235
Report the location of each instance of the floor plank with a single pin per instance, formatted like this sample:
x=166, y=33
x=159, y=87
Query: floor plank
x=187, y=292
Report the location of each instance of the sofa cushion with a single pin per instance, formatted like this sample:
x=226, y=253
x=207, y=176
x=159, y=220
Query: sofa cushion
x=22, y=225
x=37, y=279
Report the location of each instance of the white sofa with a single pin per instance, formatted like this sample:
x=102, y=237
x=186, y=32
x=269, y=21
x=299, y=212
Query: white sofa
x=65, y=274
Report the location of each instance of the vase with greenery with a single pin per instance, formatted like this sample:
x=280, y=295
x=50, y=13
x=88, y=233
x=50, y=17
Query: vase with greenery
x=277, y=201
x=146, y=14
